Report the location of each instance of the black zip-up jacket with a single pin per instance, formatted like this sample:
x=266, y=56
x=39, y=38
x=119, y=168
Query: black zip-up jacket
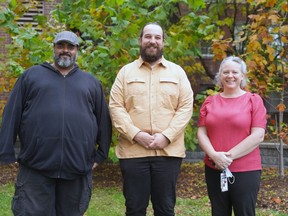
x=63, y=123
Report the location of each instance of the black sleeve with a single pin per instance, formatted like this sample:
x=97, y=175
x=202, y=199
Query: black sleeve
x=104, y=126
x=11, y=119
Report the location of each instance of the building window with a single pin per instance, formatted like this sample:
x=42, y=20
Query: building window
x=206, y=50
x=34, y=8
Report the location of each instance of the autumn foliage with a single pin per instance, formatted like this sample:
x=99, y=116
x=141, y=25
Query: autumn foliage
x=255, y=30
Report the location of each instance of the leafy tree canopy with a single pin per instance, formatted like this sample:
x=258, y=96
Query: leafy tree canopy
x=255, y=30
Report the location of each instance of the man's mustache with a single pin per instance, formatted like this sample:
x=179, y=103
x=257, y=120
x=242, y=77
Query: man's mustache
x=64, y=54
x=153, y=46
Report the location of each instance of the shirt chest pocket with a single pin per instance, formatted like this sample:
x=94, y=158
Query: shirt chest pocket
x=169, y=86
x=136, y=86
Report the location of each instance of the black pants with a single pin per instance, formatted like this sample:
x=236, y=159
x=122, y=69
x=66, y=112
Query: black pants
x=38, y=195
x=241, y=195
x=150, y=176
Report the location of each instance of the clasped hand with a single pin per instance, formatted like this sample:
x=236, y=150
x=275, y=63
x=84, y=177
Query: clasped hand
x=222, y=160
x=155, y=141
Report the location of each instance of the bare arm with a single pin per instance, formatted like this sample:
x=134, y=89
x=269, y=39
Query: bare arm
x=221, y=159
x=248, y=144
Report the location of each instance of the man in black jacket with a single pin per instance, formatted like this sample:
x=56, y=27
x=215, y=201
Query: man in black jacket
x=61, y=117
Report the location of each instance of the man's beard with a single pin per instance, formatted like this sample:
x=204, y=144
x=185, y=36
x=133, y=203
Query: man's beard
x=65, y=63
x=150, y=58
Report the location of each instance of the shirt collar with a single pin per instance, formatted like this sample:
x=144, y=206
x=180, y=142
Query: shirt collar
x=163, y=62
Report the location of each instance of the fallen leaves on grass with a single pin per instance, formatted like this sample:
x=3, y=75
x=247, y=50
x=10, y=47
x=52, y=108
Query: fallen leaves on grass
x=273, y=192
x=277, y=200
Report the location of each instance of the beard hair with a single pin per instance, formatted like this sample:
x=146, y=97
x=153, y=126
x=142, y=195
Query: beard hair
x=151, y=58
x=65, y=63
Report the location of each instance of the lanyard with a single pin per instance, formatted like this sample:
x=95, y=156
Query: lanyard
x=225, y=177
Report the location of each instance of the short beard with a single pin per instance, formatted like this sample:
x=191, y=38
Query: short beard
x=65, y=63
x=150, y=58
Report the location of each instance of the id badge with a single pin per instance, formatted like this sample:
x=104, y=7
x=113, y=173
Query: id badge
x=223, y=182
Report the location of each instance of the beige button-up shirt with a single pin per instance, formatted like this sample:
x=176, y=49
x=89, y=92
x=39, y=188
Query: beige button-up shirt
x=153, y=100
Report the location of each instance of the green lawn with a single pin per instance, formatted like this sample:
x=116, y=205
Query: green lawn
x=110, y=202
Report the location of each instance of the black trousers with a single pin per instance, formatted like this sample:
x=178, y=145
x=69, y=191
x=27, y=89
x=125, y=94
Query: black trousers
x=38, y=195
x=241, y=195
x=150, y=176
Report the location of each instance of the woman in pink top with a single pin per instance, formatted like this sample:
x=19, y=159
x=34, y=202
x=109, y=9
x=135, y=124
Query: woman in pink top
x=231, y=126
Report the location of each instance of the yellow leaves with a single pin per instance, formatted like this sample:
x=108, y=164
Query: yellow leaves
x=271, y=3
x=265, y=19
x=173, y=33
x=257, y=62
x=274, y=18
x=284, y=32
x=259, y=1
x=284, y=29
x=256, y=20
x=268, y=39
x=284, y=39
x=271, y=52
x=253, y=46
x=252, y=65
x=281, y=107
x=211, y=92
x=254, y=25
x=285, y=6
x=252, y=17
x=272, y=69
x=219, y=48
x=93, y=11
x=253, y=37
x=7, y=83
x=260, y=42
x=98, y=12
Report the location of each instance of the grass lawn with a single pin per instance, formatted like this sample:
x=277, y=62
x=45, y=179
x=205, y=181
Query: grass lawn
x=110, y=202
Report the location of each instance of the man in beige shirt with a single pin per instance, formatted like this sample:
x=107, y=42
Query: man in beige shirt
x=151, y=103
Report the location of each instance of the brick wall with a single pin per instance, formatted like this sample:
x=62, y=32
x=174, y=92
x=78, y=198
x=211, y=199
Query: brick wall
x=4, y=96
x=5, y=39
x=49, y=5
